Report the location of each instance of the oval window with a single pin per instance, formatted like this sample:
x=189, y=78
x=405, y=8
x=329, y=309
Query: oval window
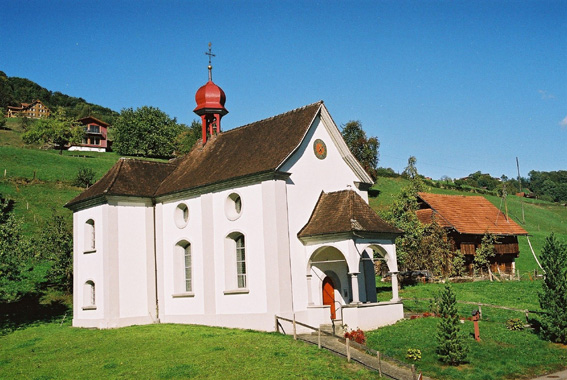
x=181, y=215
x=233, y=206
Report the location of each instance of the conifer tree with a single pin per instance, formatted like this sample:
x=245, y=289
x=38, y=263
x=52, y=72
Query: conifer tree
x=553, y=297
x=451, y=347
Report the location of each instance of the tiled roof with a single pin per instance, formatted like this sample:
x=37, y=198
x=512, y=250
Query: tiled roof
x=344, y=211
x=251, y=149
x=254, y=148
x=128, y=177
x=91, y=119
x=467, y=215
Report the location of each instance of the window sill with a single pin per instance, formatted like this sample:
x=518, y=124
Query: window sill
x=89, y=307
x=183, y=295
x=91, y=251
x=236, y=291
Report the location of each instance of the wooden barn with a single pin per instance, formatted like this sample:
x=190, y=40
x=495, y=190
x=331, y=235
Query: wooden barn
x=467, y=219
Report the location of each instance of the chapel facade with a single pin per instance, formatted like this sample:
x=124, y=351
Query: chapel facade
x=271, y=218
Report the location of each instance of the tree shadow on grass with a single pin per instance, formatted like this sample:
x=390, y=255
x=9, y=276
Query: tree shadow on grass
x=29, y=311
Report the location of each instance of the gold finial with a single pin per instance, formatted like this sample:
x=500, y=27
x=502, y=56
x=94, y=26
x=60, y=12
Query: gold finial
x=210, y=67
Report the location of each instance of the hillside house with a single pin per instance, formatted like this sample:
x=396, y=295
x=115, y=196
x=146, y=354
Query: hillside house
x=95, y=139
x=271, y=218
x=33, y=110
x=467, y=219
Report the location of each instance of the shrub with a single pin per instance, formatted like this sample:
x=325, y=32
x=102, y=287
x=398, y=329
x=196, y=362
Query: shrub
x=356, y=335
x=553, y=296
x=451, y=343
x=85, y=177
x=514, y=324
x=413, y=354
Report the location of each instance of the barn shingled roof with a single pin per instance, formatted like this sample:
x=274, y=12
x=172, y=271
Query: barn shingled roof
x=467, y=215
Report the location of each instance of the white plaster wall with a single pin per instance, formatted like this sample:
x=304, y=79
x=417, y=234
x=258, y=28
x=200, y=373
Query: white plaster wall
x=88, y=266
x=194, y=303
x=135, y=246
x=372, y=316
x=310, y=176
x=248, y=223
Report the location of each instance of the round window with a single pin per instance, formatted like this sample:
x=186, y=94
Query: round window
x=181, y=215
x=233, y=206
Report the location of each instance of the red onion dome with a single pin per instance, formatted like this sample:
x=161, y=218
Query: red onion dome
x=210, y=97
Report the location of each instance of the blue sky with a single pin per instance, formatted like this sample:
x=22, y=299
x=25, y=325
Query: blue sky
x=461, y=85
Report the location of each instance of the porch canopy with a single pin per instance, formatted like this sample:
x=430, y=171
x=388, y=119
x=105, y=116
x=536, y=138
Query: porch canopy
x=343, y=238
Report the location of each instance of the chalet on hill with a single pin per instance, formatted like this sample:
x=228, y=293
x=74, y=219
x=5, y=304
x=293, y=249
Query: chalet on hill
x=467, y=219
x=33, y=110
x=95, y=139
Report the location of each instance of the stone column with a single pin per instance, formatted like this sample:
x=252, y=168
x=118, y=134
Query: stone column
x=309, y=292
x=354, y=282
x=395, y=296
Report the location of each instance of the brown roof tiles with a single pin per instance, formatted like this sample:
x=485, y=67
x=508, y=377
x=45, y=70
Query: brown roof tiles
x=467, y=215
x=128, y=177
x=251, y=149
x=344, y=211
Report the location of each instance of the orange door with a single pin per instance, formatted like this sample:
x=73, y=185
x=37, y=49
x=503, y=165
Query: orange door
x=329, y=295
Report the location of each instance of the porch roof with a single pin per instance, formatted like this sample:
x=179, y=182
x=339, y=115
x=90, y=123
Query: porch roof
x=344, y=211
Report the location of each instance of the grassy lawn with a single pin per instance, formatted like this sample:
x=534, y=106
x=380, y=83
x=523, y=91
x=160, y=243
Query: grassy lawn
x=49, y=351
x=501, y=354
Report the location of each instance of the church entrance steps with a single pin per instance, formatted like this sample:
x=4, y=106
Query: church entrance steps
x=332, y=329
x=388, y=367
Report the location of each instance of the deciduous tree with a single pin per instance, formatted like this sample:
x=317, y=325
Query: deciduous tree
x=146, y=131
x=363, y=148
x=553, y=296
x=19, y=274
x=58, y=131
x=484, y=253
x=188, y=137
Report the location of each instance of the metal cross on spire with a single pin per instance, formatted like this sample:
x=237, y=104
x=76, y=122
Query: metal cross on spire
x=210, y=54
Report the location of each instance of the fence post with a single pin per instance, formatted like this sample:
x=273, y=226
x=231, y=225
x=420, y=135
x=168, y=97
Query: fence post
x=480, y=311
x=348, y=349
x=413, y=374
x=294, y=329
x=379, y=363
x=319, y=337
x=277, y=327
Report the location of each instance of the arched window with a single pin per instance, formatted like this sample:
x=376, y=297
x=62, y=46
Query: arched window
x=89, y=296
x=182, y=261
x=235, y=264
x=240, y=262
x=90, y=243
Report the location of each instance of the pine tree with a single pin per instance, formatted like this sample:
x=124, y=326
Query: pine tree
x=553, y=297
x=451, y=347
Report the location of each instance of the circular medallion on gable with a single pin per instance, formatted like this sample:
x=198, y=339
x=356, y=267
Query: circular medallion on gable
x=320, y=149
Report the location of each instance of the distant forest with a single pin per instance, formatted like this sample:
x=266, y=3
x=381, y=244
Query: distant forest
x=14, y=91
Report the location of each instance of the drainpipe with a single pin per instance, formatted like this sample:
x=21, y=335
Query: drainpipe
x=155, y=260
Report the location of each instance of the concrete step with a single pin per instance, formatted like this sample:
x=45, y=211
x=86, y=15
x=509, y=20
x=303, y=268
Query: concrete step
x=339, y=330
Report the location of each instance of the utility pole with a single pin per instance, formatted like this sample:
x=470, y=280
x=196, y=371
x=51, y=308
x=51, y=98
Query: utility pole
x=520, y=182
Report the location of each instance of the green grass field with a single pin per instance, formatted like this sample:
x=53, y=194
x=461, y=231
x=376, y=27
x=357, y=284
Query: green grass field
x=40, y=182
x=49, y=351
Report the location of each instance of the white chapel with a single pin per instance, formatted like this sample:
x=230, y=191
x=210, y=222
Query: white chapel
x=271, y=218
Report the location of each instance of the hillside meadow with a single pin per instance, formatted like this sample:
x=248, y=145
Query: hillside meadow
x=40, y=183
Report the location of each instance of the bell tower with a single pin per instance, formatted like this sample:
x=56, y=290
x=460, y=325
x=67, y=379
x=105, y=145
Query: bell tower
x=210, y=100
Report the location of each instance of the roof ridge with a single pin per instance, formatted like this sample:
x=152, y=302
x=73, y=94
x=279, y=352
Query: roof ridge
x=115, y=175
x=274, y=117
